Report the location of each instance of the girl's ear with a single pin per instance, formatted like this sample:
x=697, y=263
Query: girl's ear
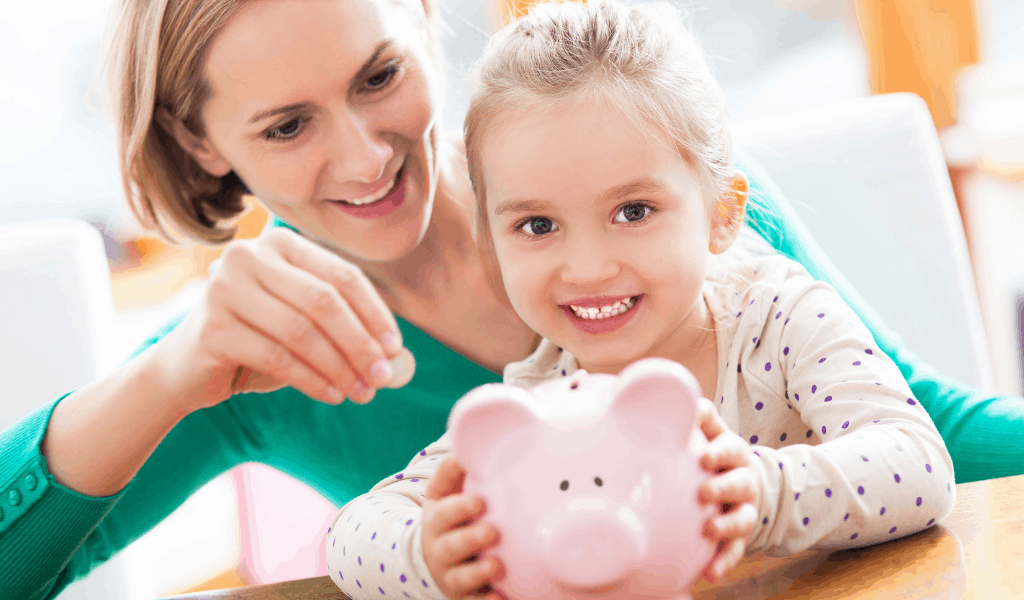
x=728, y=215
x=198, y=148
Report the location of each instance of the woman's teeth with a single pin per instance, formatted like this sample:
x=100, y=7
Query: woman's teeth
x=383, y=191
x=604, y=312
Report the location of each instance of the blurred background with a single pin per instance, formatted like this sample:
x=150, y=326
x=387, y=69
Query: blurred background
x=965, y=58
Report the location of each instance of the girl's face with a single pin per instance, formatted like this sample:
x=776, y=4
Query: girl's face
x=326, y=109
x=590, y=215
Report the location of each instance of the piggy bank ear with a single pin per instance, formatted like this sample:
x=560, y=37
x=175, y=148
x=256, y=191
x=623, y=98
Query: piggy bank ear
x=656, y=402
x=488, y=421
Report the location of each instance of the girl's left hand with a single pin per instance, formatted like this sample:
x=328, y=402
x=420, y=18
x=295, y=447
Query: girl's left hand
x=735, y=487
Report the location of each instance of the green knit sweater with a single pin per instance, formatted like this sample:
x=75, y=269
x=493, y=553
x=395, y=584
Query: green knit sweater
x=50, y=535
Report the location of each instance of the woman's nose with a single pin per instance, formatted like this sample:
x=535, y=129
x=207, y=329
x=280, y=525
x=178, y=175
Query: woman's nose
x=359, y=152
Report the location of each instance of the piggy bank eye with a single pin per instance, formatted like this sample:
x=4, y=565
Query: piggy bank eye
x=565, y=484
x=598, y=481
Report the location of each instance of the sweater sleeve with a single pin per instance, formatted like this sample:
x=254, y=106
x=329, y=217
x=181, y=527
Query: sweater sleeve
x=374, y=545
x=880, y=471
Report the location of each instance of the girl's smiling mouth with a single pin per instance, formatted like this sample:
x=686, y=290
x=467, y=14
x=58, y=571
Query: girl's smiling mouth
x=602, y=314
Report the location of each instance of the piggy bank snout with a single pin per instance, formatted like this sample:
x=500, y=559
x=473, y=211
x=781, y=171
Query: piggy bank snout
x=591, y=545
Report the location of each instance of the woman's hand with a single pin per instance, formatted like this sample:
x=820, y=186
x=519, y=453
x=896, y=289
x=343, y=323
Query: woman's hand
x=280, y=310
x=452, y=540
x=735, y=487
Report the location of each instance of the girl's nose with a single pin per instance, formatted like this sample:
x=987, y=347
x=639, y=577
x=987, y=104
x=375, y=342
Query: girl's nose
x=359, y=154
x=589, y=262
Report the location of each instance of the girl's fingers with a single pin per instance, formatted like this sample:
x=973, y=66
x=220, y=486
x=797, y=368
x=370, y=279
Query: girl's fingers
x=467, y=580
x=727, y=451
x=450, y=512
x=447, y=480
x=736, y=524
x=349, y=281
x=737, y=486
x=711, y=423
x=726, y=560
x=462, y=543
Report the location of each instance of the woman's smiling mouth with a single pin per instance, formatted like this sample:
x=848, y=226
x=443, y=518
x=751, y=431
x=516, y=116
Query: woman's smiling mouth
x=382, y=202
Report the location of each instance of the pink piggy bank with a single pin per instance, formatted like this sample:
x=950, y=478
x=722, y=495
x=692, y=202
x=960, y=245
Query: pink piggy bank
x=592, y=481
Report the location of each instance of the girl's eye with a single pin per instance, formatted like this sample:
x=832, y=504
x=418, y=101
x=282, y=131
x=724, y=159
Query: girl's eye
x=632, y=213
x=286, y=131
x=538, y=226
x=381, y=80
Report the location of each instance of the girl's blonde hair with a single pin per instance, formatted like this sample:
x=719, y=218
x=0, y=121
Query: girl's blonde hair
x=641, y=59
x=155, y=59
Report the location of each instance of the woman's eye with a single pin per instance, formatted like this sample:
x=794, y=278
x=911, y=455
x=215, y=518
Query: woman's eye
x=632, y=213
x=538, y=226
x=383, y=78
x=286, y=131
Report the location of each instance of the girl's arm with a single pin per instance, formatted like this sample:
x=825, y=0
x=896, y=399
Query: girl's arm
x=882, y=471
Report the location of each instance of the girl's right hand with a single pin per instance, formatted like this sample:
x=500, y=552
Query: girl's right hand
x=452, y=539
x=282, y=311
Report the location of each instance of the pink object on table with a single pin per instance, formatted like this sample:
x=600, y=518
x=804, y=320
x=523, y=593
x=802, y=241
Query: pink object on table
x=592, y=481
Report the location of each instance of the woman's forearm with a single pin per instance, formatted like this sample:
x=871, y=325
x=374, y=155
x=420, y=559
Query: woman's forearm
x=100, y=436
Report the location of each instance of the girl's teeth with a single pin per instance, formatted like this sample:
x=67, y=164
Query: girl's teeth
x=604, y=312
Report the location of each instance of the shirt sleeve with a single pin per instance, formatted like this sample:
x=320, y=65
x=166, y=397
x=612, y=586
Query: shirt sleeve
x=881, y=469
x=374, y=545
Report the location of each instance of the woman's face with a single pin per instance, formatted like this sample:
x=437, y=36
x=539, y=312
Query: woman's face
x=327, y=110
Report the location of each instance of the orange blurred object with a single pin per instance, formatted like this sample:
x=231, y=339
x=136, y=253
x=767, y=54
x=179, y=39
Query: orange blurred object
x=920, y=46
x=510, y=10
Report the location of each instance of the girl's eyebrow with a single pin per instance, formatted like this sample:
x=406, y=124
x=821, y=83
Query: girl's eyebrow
x=364, y=72
x=640, y=185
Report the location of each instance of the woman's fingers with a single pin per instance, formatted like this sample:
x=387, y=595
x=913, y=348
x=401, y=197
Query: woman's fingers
x=350, y=282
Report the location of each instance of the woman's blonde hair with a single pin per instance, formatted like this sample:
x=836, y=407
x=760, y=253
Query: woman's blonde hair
x=640, y=59
x=155, y=60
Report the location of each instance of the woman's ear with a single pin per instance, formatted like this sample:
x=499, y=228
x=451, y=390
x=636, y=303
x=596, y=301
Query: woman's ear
x=727, y=217
x=198, y=148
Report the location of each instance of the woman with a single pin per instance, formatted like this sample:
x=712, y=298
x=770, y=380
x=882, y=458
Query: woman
x=319, y=109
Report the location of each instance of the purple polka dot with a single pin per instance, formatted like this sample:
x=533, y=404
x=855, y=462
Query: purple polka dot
x=414, y=480
x=809, y=433
x=822, y=430
x=759, y=405
x=764, y=521
x=782, y=438
x=739, y=313
x=381, y=567
x=374, y=536
x=928, y=468
x=328, y=530
x=392, y=546
x=930, y=522
x=775, y=299
x=822, y=359
x=756, y=453
x=897, y=476
x=402, y=578
x=563, y=372
x=780, y=465
x=820, y=315
x=847, y=517
x=359, y=584
x=863, y=458
x=754, y=341
x=751, y=302
x=807, y=520
x=814, y=389
x=334, y=541
x=828, y=492
x=424, y=582
x=423, y=452
x=739, y=368
x=786, y=322
x=893, y=530
x=868, y=351
x=399, y=476
x=860, y=490
x=778, y=314
x=828, y=398
x=911, y=401
x=846, y=424
x=753, y=439
x=341, y=576
x=881, y=512
x=797, y=497
x=853, y=537
x=797, y=396
x=360, y=561
x=919, y=501
x=856, y=363
x=409, y=522
x=722, y=400
x=767, y=366
x=785, y=351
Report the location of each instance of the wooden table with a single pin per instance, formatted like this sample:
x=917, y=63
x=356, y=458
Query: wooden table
x=977, y=552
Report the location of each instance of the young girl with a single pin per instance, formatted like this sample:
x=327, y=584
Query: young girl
x=600, y=153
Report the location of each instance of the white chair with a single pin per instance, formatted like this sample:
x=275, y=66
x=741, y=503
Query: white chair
x=56, y=311
x=869, y=180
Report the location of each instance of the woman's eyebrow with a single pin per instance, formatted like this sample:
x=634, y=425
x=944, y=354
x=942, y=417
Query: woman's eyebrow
x=364, y=72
